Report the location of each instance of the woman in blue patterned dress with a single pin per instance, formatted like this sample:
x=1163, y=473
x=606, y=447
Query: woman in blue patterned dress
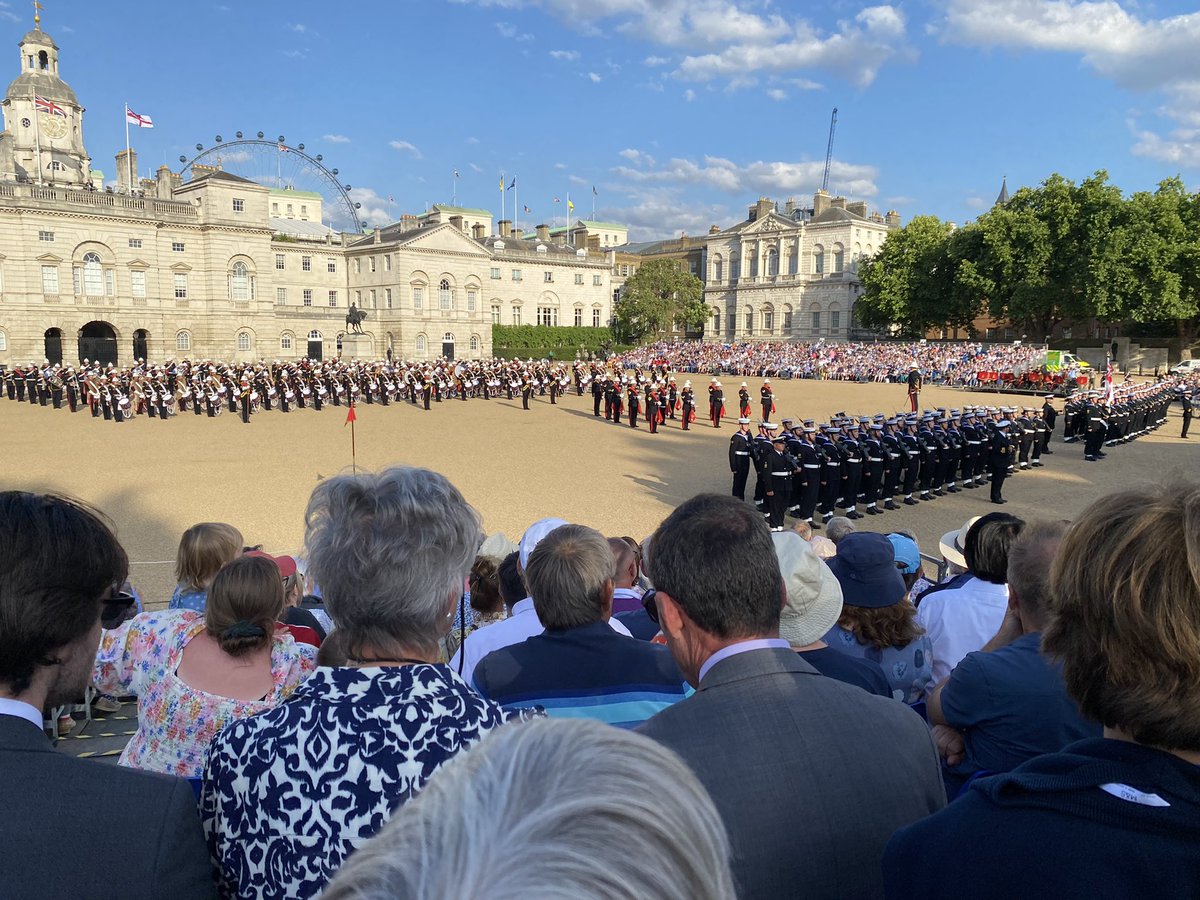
x=290, y=793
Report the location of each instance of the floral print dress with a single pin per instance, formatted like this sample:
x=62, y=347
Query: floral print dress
x=176, y=722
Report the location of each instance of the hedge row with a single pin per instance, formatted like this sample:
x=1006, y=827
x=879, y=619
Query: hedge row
x=560, y=353
x=540, y=337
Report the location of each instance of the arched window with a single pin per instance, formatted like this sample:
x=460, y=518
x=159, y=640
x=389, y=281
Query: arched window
x=285, y=341
x=839, y=257
x=818, y=260
x=768, y=319
x=447, y=338
x=749, y=321
x=772, y=262
x=183, y=341
x=239, y=282
x=93, y=275
x=243, y=340
x=787, y=318
x=474, y=343
x=735, y=267
x=445, y=295
x=420, y=343
x=718, y=268
x=314, y=335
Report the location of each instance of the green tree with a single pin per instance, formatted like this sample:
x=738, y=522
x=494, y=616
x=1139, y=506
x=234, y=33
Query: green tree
x=657, y=295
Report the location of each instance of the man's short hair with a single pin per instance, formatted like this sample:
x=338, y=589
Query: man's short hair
x=1029, y=561
x=512, y=586
x=714, y=556
x=623, y=554
x=58, y=559
x=567, y=576
x=1124, y=614
x=987, y=543
x=838, y=528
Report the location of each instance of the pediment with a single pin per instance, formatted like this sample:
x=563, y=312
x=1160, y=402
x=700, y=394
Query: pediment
x=770, y=224
x=446, y=238
x=49, y=258
x=181, y=267
x=137, y=264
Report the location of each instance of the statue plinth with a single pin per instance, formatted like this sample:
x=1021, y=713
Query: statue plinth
x=357, y=346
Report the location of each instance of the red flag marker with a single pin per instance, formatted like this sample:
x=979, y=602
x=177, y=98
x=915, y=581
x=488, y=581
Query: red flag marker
x=351, y=418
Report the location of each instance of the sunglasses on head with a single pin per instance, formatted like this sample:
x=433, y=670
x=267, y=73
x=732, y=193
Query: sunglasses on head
x=116, y=608
x=650, y=604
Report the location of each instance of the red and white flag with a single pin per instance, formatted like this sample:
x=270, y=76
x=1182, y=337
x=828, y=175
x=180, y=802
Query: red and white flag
x=1108, y=385
x=135, y=119
x=45, y=104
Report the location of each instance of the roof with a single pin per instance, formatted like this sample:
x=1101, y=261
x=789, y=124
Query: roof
x=1002, y=197
x=836, y=214
x=446, y=208
x=608, y=226
x=292, y=192
x=224, y=176
x=299, y=228
x=37, y=36
x=28, y=84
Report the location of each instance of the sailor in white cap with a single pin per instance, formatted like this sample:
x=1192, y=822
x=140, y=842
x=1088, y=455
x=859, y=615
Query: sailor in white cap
x=740, y=455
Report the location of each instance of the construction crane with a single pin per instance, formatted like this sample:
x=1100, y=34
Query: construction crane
x=829, y=150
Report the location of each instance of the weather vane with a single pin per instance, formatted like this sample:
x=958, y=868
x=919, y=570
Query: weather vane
x=37, y=19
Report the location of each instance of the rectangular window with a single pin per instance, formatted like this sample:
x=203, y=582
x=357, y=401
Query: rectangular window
x=835, y=320
x=547, y=277
x=357, y=266
x=471, y=298
x=597, y=281
x=110, y=283
x=274, y=209
x=387, y=262
x=306, y=297
x=280, y=296
x=495, y=315
x=768, y=320
x=180, y=286
x=816, y=323
x=137, y=282
x=306, y=264
x=358, y=298
x=496, y=274
x=289, y=210
x=50, y=280
x=596, y=316
x=372, y=264
x=387, y=296
x=516, y=274
x=177, y=246
x=331, y=265
x=578, y=316
x=303, y=211
x=418, y=297
x=547, y=315
x=624, y=271
x=333, y=298
x=77, y=280
x=47, y=236
x=373, y=300
x=279, y=262
x=239, y=205
x=579, y=278
x=787, y=321
x=135, y=243
x=516, y=315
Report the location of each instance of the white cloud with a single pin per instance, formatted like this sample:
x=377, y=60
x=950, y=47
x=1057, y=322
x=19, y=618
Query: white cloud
x=512, y=32
x=594, y=78
x=336, y=138
x=656, y=60
x=560, y=166
x=472, y=140
x=565, y=55
x=759, y=178
x=298, y=28
x=295, y=53
x=637, y=157
x=777, y=94
x=975, y=203
x=376, y=210
x=662, y=213
x=476, y=169
x=575, y=179
x=689, y=95
x=406, y=147
x=235, y=156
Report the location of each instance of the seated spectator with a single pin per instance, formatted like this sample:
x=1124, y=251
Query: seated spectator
x=579, y=667
x=193, y=673
x=1007, y=703
x=640, y=623
x=305, y=627
x=908, y=561
x=290, y=793
x=823, y=546
x=487, y=603
x=963, y=614
x=627, y=594
x=1117, y=816
x=814, y=601
x=777, y=745
x=548, y=794
x=523, y=619
x=203, y=549
x=74, y=828
x=837, y=528
x=877, y=622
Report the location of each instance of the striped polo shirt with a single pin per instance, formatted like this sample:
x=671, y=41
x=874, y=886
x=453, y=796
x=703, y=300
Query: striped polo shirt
x=588, y=672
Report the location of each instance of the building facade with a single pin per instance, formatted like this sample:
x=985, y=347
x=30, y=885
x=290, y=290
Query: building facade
x=220, y=267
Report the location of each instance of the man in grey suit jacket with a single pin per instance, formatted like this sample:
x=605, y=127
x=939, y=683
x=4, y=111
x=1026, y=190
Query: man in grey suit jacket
x=74, y=827
x=812, y=776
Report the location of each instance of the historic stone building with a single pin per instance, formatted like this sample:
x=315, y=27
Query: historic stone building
x=221, y=267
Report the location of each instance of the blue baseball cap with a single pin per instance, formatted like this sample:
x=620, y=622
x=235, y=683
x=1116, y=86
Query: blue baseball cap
x=907, y=553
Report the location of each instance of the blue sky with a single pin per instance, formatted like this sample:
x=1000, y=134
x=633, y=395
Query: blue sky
x=680, y=112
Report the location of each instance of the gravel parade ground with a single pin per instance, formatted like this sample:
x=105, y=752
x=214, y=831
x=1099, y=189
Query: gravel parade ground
x=155, y=478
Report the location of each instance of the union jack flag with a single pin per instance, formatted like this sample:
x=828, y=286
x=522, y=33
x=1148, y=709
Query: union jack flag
x=47, y=105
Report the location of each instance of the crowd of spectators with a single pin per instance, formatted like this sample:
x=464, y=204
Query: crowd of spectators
x=716, y=711
x=951, y=364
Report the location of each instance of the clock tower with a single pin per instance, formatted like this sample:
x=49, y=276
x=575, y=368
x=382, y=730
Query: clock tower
x=43, y=138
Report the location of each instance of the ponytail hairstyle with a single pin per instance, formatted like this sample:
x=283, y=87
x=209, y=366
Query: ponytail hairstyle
x=244, y=602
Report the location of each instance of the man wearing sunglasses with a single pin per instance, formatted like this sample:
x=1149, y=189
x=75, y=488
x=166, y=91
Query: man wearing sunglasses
x=58, y=566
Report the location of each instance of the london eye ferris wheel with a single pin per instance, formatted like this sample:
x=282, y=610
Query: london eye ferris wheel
x=276, y=164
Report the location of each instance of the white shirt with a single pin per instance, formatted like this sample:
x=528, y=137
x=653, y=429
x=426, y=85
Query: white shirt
x=522, y=624
x=959, y=621
x=21, y=710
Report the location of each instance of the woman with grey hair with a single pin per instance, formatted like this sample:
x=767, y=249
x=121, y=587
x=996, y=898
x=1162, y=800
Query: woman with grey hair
x=290, y=795
x=525, y=812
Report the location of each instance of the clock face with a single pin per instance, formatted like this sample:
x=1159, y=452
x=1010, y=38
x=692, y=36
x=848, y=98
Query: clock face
x=52, y=126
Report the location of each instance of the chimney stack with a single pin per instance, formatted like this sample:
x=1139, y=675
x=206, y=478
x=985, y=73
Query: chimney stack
x=858, y=207
x=457, y=222
x=477, y=231
x=505, y=227
x=166, y=183
x=126, y=162
x=516, y=233
x=820, y=202
x=378, y=234
x=543, y=232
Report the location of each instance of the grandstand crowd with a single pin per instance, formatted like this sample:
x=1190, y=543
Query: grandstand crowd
x=407, y=709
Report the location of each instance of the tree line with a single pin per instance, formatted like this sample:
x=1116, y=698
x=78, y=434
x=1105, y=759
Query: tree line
x=1058, y=252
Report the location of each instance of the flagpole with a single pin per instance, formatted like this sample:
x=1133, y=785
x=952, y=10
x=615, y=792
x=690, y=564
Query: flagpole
x=593, y=203
x=501, y=202
x=454, y=189
x=567, y=221
x=128, y=152
x=37, y=136
x=516, y=205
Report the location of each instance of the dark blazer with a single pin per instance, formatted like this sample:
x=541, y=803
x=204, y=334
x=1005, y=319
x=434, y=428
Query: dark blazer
x=812, y=776
x=78, y=828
